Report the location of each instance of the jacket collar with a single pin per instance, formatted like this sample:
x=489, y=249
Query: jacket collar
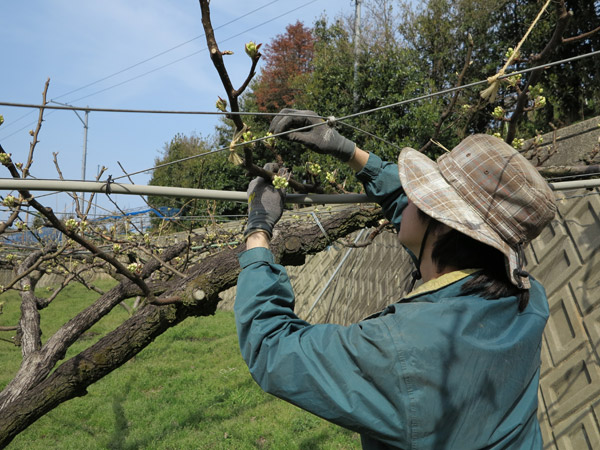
x=441, y=282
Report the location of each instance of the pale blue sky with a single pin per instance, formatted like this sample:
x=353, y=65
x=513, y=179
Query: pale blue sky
x=75, y=43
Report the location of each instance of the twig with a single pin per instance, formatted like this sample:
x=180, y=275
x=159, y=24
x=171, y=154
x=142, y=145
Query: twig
x=382, y=226
x=580, y=36
x=452, y=103
x=555, y=40
x=34, y=266
x=35, y=134
x=132, y=182
x=217, y=58
x=14, y=328
x=163, y=263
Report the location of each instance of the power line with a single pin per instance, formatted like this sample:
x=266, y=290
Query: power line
x=410, y=100
x=470, y=85
x=350, y=116
x=158, y=68
x=195, y=53
x=163, y=52
x=341, y=119
x=360, y=130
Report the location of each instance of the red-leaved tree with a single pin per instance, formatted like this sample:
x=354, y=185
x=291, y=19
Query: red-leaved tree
x=286, y=60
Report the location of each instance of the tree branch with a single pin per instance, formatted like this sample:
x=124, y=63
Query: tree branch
x=459, y=82
x=197, y=295
x=26, y=272
x=580, y=37
x=217, y=58
x=29, y=332
x=563, y=17
x=35, y=134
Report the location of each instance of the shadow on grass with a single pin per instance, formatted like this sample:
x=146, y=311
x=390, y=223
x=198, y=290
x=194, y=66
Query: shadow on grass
x=315, y=442
x=225, y=405
x=118, y=438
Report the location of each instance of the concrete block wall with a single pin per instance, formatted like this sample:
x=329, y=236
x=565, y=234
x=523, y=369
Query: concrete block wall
x=566, y=259
x=343, y=285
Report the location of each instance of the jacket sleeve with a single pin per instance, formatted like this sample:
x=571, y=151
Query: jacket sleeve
x=348, y=375
x=382, y=186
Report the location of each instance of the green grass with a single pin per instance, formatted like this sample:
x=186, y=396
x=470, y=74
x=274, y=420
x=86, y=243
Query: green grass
x=190, y=389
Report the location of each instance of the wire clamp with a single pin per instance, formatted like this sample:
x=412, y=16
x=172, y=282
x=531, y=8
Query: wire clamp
x=109, y=181
x=331, y=121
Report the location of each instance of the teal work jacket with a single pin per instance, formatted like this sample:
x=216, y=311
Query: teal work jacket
x=437, y=370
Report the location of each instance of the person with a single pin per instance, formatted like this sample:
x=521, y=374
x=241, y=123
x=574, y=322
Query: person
x=455, y=363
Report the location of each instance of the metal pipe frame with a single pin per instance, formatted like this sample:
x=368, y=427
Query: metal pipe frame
x=209, y=194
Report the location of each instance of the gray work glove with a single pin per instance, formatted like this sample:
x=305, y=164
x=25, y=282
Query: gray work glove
x=265, y=204
x=322, y=139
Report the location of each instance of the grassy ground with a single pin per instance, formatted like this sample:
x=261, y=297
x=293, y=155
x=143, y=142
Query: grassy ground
x=190, y=389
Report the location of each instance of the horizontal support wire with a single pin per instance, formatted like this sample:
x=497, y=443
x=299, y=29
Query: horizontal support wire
x=391, y=105
x=414, y=99
x=410, y=100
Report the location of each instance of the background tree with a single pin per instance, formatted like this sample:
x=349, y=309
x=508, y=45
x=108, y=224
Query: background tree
x=287, y=59
x=212, y=171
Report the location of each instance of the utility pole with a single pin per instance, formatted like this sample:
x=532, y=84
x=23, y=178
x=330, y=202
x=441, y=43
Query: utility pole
x=84, y=156
x=356, y=50
x=85, y=139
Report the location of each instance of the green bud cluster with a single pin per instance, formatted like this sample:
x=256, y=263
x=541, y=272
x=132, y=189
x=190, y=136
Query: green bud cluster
x=5, y=158
x=498, y=112
x=280, y=182
x=514, y=80
x=314, y=168
x=9, y=201
x=135, y=268
x=509, y=53
x=518, y=143
x=221, y=105
x=71, y=224
x=269, y=141
x=252, y=49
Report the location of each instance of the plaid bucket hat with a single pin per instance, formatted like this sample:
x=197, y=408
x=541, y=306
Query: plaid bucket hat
x=485, y=189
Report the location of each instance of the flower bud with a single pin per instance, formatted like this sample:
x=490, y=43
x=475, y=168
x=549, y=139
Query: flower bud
x=539, y=102
x=221, y=105
x=269, y=141
x=280, y=182
x=314, y=168
x=498, y=112
x=9, y=201
x=518, y=143
x=252, y=49
x=5, y=158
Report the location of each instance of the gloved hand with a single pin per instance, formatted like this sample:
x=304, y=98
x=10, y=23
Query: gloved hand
x=265, y=204
x=322, y=139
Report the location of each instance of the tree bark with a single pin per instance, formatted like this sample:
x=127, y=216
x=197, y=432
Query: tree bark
x=22, y=405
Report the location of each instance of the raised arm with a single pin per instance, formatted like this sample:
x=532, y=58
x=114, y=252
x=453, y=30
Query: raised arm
x=381, y=180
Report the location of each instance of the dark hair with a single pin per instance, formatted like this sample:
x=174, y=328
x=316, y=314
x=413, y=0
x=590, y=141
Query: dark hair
x=455, y=249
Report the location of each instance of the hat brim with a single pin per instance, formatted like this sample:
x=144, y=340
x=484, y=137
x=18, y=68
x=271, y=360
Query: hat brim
x=427, y=188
